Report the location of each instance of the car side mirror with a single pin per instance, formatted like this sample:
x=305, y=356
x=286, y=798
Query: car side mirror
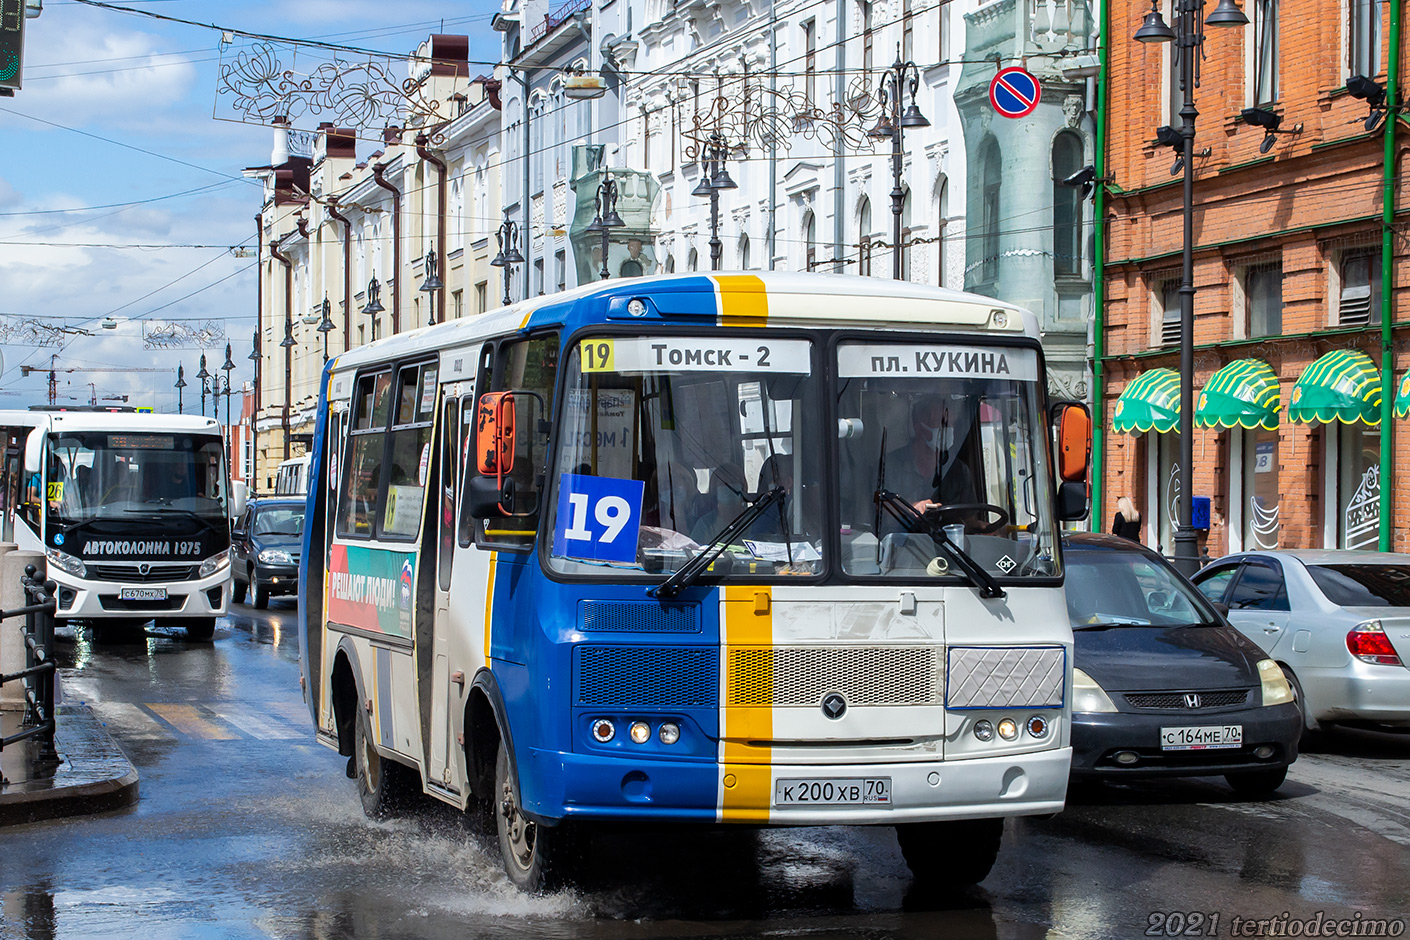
x=1222, y=609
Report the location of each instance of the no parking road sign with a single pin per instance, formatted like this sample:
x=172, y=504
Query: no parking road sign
x=1014, y=92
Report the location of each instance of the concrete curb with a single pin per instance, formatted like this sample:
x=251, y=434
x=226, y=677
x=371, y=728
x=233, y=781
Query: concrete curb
x=94, y=775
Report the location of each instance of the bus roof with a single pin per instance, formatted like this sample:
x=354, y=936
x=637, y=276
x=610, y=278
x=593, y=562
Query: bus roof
x=745, y=298
x=109, y=421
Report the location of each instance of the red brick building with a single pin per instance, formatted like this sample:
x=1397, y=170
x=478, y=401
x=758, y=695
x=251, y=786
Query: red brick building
x=1287, y=265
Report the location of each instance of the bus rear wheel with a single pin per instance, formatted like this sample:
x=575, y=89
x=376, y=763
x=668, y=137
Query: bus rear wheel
x=536, y=857
x=953, y=854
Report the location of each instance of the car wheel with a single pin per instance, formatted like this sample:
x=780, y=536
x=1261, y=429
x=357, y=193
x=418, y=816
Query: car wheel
x=1257, y=784
x=237, y=591
x=110, y=630
x=385, y=787
x=200, y=628
x=536, y=857
x=261, y=595
x=1312, y=729
x=951, y=854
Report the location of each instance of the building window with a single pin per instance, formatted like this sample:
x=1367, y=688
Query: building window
x=1264, y=80
x=907, y=32
x=1360, y=273
x=1263, y=288
x=670, y=264
x=867, y=39
x=538, y=276
x=945, y=30
x=864, y=238
x=943, y=222
x=810, y=236
x=1170, y=313
x=1356, y=496
x=560, y=266
x=692, y=260
x=1167, y=490
x=482, y=290
x=990, y=220
x=1260, y=490
x=1363, y=37
x=905, y=246
x=1067, y=206
x=457, y=303
x=810, y=62
x=744, y=252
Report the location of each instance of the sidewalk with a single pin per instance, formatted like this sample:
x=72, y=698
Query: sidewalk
x=93, y=775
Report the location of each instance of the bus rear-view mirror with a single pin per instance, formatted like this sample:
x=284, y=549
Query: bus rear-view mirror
x=490, y=497
x=1074, y=442
x=494, y=435
x=239, y=495
x=33, y=451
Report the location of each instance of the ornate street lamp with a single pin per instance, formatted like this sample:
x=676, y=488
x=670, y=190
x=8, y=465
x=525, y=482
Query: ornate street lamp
x=431, y=285
x=255, y=357
x=227, y=367
x=180, y=389
x=607, y=218
x=508, y=239
x=325, y=326
x=714, y=179
x=205, y=377
x=374, y=303
x=1188, y=36
x=894, y=119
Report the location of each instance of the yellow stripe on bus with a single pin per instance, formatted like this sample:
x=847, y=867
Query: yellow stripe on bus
x=743, y=300
x=746, y=781
x=489, y=604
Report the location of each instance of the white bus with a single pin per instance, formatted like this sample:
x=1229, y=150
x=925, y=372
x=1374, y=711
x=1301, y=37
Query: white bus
x=130, y=509
x=773, y=549
x=291, y=479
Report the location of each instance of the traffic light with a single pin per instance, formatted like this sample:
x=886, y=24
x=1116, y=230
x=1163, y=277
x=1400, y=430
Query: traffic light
x=12, y=16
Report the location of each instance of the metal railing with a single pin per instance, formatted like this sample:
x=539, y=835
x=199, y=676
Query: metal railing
x=38, y=674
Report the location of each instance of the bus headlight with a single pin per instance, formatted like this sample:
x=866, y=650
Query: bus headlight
x=274, y=556
x=66, y=562
x=1276, y=689
x=1087, y=696
x=213, y=564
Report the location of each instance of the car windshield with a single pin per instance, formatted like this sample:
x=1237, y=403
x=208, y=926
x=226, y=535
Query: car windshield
x=279, y=521
x=667, y=440
x=1364, y=585
x=955, y=432
x=102, y=475
x=1108, y=588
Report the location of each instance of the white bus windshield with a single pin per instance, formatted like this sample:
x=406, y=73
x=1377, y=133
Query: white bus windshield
x=103, y=474
x=667, y=440
x=956, y=432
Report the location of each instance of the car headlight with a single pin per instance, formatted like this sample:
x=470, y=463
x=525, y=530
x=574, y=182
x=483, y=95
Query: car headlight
x=213, y=564
x=274, y=556
x=66, y=562
x=1087, y=696
x=1276, y=689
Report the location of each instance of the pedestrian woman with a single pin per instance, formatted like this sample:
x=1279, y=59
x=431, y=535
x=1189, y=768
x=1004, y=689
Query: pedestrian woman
x=1128, y=520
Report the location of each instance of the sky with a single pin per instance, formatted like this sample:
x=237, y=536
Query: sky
x=113, y=141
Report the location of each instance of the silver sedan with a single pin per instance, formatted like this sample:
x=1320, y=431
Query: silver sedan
x=1338, y=622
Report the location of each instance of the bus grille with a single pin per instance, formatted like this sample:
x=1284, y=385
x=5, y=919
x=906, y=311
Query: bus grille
x=864, y=675
x=638, y=617
x=1006, y=677
x=647, y=676
x=131, y=572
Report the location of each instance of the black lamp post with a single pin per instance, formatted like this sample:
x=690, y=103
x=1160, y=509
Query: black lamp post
x=431, y=285
x=205, y=378
x=895, y=83
x=714, y=179
x=325, y=326
x=1188, y=36
x=374, y=303
x=607, y=218
x=254, y=415
x=508, y=239
x=180, y=389
x=228, y=366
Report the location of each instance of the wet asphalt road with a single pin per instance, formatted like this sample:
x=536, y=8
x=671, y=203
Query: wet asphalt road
x=247, y=828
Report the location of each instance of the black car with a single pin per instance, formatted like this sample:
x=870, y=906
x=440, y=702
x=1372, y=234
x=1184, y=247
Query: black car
x=1162, y=684
x=266, y=542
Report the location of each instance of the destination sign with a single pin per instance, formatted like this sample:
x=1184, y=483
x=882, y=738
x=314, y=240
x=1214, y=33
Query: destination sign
x=141, y=441
x=903, y=360
x=691, y=354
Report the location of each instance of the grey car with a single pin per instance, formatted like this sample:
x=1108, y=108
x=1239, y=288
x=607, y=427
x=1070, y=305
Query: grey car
x=1338, y=622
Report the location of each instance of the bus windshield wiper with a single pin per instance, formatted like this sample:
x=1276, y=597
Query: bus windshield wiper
x=904, y=513
x=692, y=569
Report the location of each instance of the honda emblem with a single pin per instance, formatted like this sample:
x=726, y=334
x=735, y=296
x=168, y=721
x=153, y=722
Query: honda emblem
x=1192, y=700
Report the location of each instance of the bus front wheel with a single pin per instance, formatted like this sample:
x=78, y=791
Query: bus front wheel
x=955, y=853
x=536, y=857
x=384, y=785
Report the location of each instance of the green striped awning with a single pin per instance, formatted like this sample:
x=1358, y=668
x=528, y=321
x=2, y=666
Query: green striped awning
x=1342, y=386
x=1242, y=394
x=1151, y=402
x=1402, y=396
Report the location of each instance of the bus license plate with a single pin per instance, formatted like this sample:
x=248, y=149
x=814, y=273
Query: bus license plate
x=829, y=791
x=142, y=594
x=1199, y=738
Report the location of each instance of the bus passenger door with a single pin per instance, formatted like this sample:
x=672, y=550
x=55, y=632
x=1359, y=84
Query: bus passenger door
x=448, y=440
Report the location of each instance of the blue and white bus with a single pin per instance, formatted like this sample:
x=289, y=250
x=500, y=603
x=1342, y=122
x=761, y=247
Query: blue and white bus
x=765, y=549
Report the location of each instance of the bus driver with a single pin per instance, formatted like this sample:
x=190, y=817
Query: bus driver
x=927, y=471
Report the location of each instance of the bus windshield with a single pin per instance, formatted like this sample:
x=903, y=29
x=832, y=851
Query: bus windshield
x=957, y=434
x=105, y=475
x=668, y=440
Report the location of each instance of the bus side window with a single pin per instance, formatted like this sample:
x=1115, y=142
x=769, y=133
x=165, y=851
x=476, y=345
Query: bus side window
x=362, y=473
x=465, y=529
x=450, y=466
x=527, y=365
x=409, y=459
